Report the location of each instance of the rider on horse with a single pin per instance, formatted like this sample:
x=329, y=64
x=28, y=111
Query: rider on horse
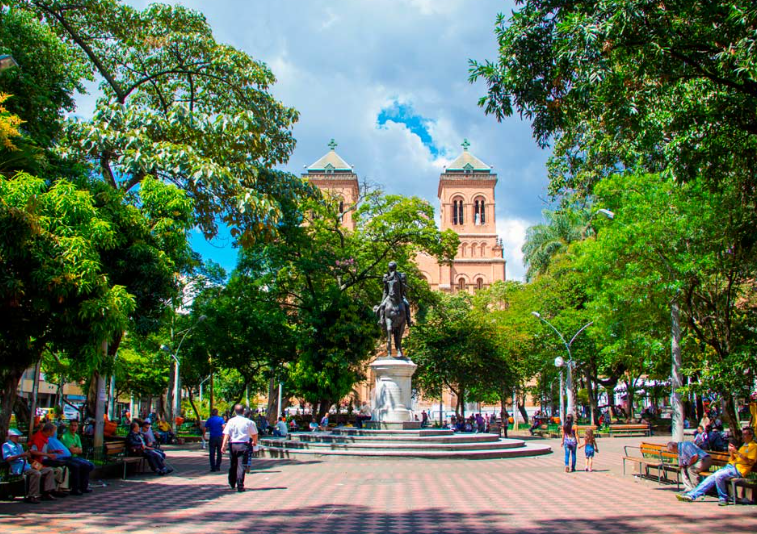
x=394, y=275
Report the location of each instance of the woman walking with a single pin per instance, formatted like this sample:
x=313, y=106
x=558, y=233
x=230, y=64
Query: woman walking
x=569, y=442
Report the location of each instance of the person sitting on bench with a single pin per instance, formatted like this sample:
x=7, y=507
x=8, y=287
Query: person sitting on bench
x=137, y=446
x=741, y=462
x=21, y=464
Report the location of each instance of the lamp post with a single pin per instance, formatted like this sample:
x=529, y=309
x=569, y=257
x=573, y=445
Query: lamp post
x=676, y=378
x=570, y=365
x=201, y=383
x=176, y=409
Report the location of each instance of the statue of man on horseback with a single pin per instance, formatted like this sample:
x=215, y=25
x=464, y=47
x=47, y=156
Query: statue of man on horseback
x=394, y=310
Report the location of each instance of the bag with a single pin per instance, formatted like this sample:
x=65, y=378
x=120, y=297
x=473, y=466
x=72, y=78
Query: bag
x=37, y=466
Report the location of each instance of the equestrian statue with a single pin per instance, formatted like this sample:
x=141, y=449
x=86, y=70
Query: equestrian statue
x=394, y=310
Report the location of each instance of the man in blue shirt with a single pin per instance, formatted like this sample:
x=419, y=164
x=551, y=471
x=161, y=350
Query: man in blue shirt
x=214, y=426
x=84, y=467
x=20, y=464
x=692, y=460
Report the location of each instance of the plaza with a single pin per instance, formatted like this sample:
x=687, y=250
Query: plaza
x=346, y=496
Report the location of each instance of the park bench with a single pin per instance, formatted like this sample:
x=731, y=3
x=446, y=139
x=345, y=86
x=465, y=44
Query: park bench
x=629, y=430
x=11, y=486
x=115, y=452
x=650, y=455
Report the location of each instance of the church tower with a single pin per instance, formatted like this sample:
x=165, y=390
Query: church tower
x=467, y=206
x=335, y=176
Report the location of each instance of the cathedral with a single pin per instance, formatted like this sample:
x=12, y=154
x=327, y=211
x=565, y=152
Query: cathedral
x=467, y=206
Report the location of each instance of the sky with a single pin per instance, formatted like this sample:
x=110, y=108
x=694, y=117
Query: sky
x=388, y=80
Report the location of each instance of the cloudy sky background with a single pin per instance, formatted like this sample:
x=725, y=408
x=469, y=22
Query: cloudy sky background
x=388, y=80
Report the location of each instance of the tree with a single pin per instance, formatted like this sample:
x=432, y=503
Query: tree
x=663, y=87
x=693, y=246
x=51, y=281
x=456, y=348
x=179, y=106
x=326, y=278
x=545, y=241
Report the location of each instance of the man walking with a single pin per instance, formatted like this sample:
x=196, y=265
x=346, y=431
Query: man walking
x=214, y=427
x=692, y=460
x=236, y=437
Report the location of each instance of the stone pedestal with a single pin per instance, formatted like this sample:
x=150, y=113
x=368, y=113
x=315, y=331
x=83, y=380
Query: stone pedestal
x=391, y=404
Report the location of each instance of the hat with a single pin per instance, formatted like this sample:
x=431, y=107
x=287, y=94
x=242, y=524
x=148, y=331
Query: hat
x=146, y=423
x=14, y=432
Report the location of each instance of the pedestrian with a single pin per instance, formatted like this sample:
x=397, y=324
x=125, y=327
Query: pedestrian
x=236, y=436
x=214, y=427
x=691, y=460
x=570, y=443
x=505, y=420
x=590, y=447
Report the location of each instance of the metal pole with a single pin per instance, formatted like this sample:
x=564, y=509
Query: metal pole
x=111, y=397
x=201, y=383
x=211, y=389
x=562, y=399
x=571, y=408
x=176, y=399
x=515, y=411
x=35, y=393
x=131, y=407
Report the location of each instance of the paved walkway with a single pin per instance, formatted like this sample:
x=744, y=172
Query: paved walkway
x=522, y=495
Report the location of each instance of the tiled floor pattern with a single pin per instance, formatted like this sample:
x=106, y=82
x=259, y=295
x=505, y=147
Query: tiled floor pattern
x=519, y=495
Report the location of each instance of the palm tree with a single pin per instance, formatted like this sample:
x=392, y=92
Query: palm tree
x=545, y=241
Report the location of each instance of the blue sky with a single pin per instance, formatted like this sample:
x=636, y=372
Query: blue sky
x=389, y=81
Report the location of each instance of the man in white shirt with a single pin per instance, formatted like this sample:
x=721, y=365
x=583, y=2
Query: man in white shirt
x=236, y=437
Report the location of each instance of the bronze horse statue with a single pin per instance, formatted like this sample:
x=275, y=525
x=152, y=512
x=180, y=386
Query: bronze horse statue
x=395, y=315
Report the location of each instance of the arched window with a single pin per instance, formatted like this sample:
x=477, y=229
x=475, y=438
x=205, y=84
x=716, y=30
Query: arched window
x=457, y=211
x=341, y=206
x=464, y=250
x=461, y=284
x=483, y=250
x=480, y=283
x=479, y=209
x=473, y=250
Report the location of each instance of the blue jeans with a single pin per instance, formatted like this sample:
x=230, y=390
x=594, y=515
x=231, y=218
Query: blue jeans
x=718, y=479
x=570, y=450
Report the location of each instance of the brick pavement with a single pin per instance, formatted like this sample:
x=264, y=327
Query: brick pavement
x=343, y=496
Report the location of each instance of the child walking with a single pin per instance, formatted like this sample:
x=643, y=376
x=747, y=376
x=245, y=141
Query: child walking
x=590, y=447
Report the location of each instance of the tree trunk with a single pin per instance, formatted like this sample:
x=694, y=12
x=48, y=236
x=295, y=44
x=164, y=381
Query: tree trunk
x=522, y=409
x=676, y=379
x=272, y=409
x=592, y=396
x=10, y=389
x=730, y=416
x=194, y=408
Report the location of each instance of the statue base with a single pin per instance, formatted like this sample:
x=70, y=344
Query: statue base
x=383, y=425
x=393, y=391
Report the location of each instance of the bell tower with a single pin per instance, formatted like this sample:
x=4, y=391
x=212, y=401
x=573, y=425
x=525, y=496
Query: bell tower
x=466, y=196
x=335, y=176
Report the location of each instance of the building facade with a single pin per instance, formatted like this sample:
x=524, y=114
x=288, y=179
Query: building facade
x=466, y=206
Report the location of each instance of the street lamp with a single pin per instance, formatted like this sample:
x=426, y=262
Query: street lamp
x=7, y=61
x=176, y=383
x=570, y=365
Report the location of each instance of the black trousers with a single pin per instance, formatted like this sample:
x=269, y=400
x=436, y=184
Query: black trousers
x=154, y=459
x=214, y=445
x=236, y=469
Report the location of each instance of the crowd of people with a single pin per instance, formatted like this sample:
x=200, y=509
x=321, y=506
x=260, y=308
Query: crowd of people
x=52, y=466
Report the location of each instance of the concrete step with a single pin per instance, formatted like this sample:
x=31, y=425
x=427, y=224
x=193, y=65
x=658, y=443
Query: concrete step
x=528, y=449
x=394, y=445
x=327, y=437
x=420, y=432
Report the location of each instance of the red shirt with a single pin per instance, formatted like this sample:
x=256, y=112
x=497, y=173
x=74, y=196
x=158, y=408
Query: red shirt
x=39, y=440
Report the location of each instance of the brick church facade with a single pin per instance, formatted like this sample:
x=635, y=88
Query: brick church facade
x=467, y=206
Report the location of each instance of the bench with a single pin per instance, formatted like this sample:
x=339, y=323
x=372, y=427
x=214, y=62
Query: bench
x=629, y=430
x=650, y=455
x=115, y=452
x=11, y=486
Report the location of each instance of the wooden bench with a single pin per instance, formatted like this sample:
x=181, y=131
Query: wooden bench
x=115, y=451
x=748, y=482
x=629, y=430
x=650, y=455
